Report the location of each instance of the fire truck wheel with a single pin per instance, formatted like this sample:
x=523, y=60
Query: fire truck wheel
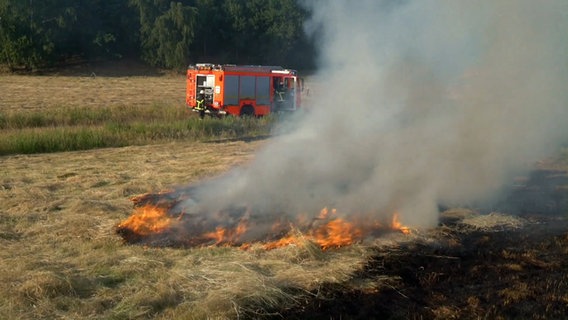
x=247, y=111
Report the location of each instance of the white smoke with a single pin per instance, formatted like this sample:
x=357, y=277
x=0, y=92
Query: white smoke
x=421, y=103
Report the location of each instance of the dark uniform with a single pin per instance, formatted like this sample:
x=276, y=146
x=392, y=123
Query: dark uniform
x=281, y=92
x=200, y=105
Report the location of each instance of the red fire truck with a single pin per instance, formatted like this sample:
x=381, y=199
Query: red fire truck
x=242, y=89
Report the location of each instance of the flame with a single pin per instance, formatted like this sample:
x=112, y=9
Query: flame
x=326, y=229
x=218, y=235
x=325, y=213
x=397, y=225
x=283, y=242
x=336, y=233
x=227, y=235
x=147, y=220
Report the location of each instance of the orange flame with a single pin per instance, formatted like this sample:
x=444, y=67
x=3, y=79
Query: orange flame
x=325, y=229
x=283, y=242
x=147, y=220
x=226, y=235
x=325, y=213
x=336, y=233
x=397, y=225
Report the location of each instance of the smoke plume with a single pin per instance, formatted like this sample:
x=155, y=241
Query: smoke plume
x=419, y=103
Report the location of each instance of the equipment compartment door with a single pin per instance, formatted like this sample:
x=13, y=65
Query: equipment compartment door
x=206, y=83
x=231, y=91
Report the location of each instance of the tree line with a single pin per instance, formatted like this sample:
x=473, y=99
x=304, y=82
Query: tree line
x=163, y=33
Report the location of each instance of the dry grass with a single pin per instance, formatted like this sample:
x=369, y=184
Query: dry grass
x=492, y=222
x=62, y=259
x=66, y=113
x=41, y=92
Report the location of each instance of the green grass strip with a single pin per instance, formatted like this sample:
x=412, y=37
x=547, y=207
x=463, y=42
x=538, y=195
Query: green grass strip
x=129, y=131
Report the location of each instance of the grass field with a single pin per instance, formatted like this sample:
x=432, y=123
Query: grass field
x=41, y=114
x=47, y=92
x=61, y=257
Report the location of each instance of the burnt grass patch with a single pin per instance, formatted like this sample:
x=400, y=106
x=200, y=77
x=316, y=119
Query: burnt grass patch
x=455, y=272
x=458, y=275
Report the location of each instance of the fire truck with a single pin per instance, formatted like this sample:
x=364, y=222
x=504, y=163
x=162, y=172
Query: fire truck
x=242, y=90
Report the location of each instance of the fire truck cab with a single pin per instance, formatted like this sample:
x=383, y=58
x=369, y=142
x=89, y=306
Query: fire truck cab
x=242, y=90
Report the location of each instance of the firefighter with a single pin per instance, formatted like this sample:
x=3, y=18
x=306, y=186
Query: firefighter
x=280, y=91
x=200, y=105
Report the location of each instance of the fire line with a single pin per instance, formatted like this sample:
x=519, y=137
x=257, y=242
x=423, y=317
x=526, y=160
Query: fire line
x=154, y=223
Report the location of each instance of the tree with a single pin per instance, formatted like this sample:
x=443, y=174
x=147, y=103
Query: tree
x=113, y=28
x=166, y=32
x=17, y=48
x=283, y=25
x=212, y=32
x=267, y=32
x=37, y=33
